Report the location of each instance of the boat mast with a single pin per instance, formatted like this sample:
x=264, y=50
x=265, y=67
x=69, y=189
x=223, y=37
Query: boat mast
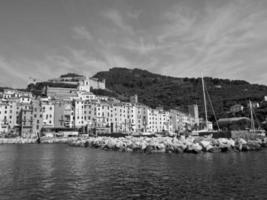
x=251, y=116
x=205, y=102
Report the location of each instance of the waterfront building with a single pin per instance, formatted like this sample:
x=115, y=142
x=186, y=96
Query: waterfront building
x=194, y=113
x=4, y=116
x=48, y=110
x=139, y=118
x=120, y=117
x=63, y=114
x=8, y=116
x=79, y=113
x=158, y=121
x=181, y=121
x=31, y=119
x=37, y=112
x=26, y=122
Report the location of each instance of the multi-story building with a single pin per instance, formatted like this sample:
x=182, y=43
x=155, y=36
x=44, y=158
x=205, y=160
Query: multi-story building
x=11, y=93
x=63, y=114
x=86, y=84
x=194, y=113
x=32, y=120
x=120, y=117
x=8, y=115
x=79, y=113
x=48, y=110
x=61, y=93
x=181, y=121
x=37, y=112
x=92, y=113
x=139, y=118
x=4, y=116
x=83, y=95
x=158, y=120
x=26, y=122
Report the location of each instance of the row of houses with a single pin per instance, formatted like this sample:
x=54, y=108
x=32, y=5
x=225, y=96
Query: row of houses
x=25, y=115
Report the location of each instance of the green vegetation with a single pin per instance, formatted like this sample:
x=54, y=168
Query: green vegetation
x=170, y=92
x=71, y=75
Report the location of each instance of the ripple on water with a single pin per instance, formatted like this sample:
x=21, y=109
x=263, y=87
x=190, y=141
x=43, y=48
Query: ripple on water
x=62, y=172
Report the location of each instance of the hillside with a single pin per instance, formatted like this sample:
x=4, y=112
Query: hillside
x=170, y=92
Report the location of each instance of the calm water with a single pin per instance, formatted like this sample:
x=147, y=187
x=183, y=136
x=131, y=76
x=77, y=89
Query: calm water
x=63, y=172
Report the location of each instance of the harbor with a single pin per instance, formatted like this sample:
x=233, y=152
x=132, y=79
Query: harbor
x=154, y=144
x=60, y=172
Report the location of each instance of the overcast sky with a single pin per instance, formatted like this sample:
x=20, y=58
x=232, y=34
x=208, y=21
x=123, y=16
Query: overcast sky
x=46, y=38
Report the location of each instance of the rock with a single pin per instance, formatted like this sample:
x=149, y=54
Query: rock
x=207, y=145
x=194, y=148
x=254, y=145
x=156, y=144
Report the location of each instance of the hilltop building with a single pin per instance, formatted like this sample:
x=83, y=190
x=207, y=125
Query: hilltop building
x=82, y=83
x=61, y=92
x=236, y=108
x=134, y=99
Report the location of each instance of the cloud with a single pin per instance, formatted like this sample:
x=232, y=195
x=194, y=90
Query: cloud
x=83, y=58
x=10, y=69
x=220, y=38
x=82, y=33
x=117, y=19
x=214, y=39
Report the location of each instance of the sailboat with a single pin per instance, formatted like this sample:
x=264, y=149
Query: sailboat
x=206, y=130
x=253, y=129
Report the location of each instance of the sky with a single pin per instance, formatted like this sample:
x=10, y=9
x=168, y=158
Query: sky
x=43, y=39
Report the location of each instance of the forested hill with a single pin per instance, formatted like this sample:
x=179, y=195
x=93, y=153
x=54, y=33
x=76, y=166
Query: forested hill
x=170, y=92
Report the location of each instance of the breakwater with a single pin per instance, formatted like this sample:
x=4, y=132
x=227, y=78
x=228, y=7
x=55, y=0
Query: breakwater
x=18, y=140
x=43, y=140
x=170, y=145
x=151, y=144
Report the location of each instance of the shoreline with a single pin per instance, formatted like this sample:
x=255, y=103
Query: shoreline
x=171, y=145
x=151, y=145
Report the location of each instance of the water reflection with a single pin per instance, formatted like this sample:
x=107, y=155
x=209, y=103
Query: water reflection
x=62, y=172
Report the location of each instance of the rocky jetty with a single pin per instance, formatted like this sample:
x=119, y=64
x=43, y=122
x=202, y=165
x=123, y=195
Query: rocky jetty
x=60, y=140
x=169, y=144
x=18, y=140
x=43, y=140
